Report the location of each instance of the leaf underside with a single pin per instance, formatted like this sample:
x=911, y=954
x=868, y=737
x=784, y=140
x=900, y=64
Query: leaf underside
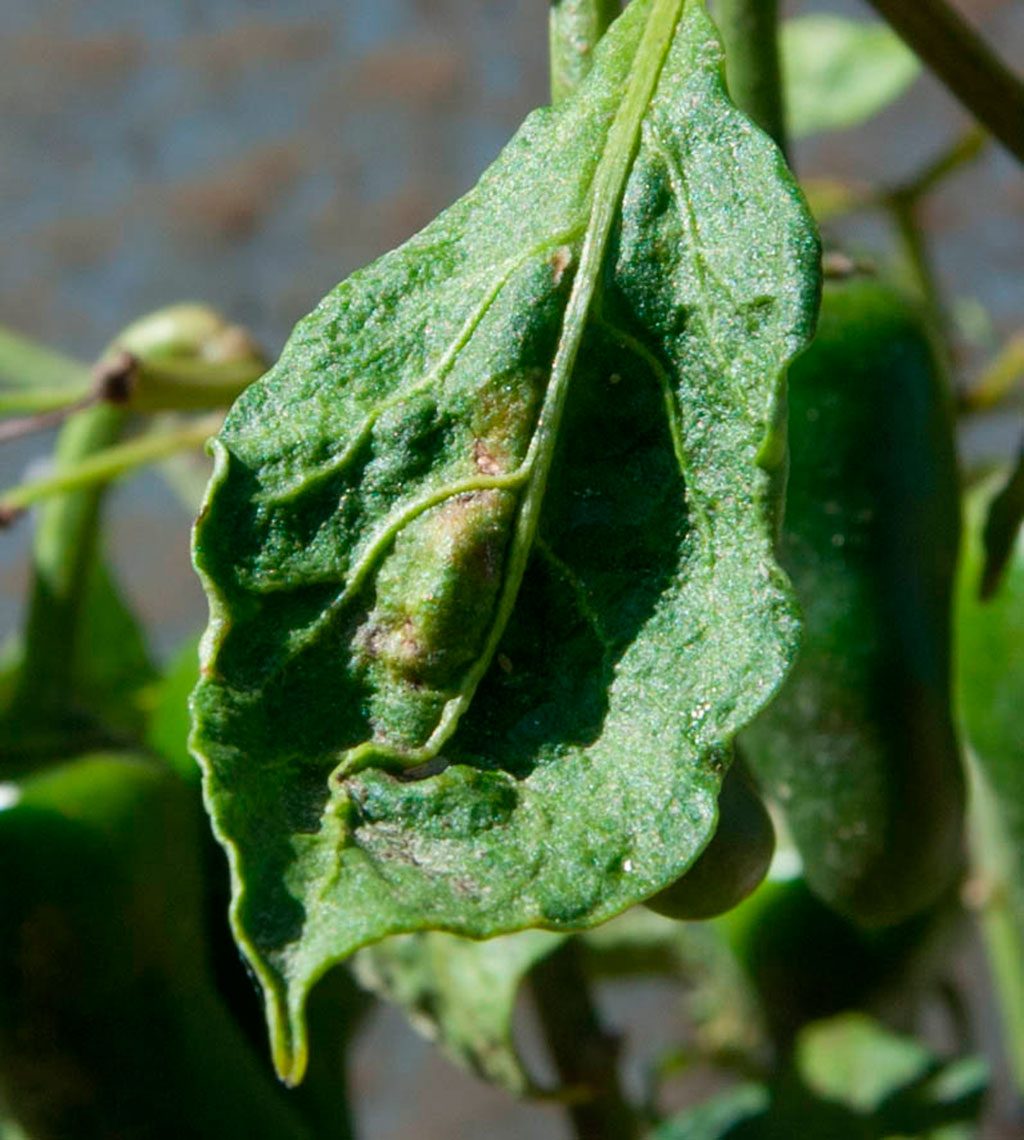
x=505, y=508
x=461, y=994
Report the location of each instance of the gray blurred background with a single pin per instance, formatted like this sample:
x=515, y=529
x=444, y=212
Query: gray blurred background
x=251, y=154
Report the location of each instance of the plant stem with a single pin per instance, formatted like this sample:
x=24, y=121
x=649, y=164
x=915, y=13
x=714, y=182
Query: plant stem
x=584, y=1055
x=43, y=401
x=65, y=544
x=1001, y=913
x=173, y=384
x=923, y=280
x=904, y=203
x=575, y=28
x=961, y=152
x=87, y=470
x=955, y=52
x=999, y=379
x=750, y=31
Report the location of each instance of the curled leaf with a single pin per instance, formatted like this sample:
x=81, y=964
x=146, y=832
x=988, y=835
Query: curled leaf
x=503, y=513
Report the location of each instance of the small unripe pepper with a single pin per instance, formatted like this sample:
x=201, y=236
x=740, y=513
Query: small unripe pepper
x=859, y=748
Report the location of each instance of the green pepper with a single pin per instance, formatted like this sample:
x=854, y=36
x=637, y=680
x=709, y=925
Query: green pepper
x=859, y=749
x=110, y=1025
x=732, y=864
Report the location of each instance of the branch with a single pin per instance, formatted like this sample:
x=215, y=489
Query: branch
x=750, y=31
x=584, y=1055
x=992, y=892
x=88, y=470
x=955, y=52
x=576, y=27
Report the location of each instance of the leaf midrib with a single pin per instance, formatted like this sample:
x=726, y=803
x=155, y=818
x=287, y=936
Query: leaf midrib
x=606, y=197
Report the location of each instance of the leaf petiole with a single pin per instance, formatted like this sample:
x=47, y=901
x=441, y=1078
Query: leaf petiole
x=110, y=463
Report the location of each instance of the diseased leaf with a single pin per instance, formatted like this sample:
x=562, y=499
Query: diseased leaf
x=838, y=72
x=504, y=509
x=461, y=994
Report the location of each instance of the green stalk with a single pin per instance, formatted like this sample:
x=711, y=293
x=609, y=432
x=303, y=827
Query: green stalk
x=40, y=401
x=954, y=51
x=960, y=153
x=1000, y=378
x=904, y=204
x=575, y=28
x=584, y=1055
x=64, y=546
x=1001, y=913
x=750, y=31
x=917, y=264
x=85, y=471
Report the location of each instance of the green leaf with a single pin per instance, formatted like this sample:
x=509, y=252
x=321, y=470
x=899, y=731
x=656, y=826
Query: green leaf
x=718, y=1117
x=852, y=1079
x=851, y=1059
x=112, y=663
x=839, y=72
x=25, y=363
x=890, y=1084
x=461, y=994
x=861, y=737
x=168, y=726
x=504, y=509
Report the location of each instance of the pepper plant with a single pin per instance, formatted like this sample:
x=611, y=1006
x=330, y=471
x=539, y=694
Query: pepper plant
x=570, y=560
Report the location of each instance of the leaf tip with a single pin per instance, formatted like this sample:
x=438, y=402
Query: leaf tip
x=288, y=1038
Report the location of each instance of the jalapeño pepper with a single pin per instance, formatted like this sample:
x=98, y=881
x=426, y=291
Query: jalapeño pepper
x=859, y=749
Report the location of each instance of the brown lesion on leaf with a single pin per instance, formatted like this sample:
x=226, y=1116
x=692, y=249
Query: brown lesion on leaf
x=436, y=592
x=485, y=460
x=560, y=261
x=503, y=418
